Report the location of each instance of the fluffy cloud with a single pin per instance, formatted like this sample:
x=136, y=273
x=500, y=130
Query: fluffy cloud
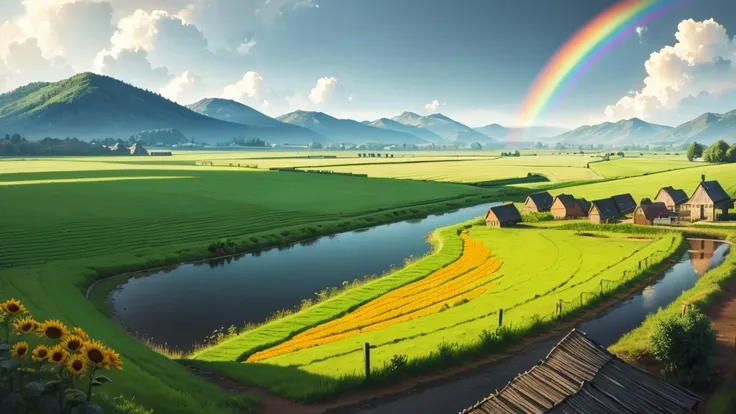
x=245, y=48
x=25, y=63
x=185, y=88
x=246, y=90
x=134, y=67
x=434, y=105
x=701, y=61
x=323, y=90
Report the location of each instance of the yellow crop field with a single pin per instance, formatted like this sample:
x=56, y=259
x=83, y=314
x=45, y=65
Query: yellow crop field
x=461, y=281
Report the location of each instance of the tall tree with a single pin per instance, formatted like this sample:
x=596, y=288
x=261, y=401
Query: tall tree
x=717, y=152
x=694, y=151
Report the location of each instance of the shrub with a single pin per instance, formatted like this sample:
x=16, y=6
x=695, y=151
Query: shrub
x=222, y=246
x=685, y=345
x=445, y=350
x=398, y=362
x=537, y=217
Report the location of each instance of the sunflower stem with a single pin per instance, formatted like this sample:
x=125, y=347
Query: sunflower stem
x=91, y=378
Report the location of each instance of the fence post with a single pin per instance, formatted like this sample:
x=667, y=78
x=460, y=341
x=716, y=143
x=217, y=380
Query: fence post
x=639, y=264
x=500, y=317
x=602, y=287
x=581, y=299
x=367, y=348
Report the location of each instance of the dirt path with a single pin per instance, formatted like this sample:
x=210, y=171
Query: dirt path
x=724, y=323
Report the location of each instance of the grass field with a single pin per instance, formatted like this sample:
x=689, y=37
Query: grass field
x=567, y=265
x=631, y=167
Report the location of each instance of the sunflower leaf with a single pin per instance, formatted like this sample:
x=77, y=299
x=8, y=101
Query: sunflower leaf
x=9, y=364
x=27, y=369
x=4, y=347
x=74, y=394
x=102, y=379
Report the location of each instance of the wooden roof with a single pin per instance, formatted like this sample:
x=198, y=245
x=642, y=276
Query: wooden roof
x=654, y=210
x=714, y=190
x=677, y=195
x=606, y=208
x=542, y=200
x=567, y=200
x=585, y=204
x=625, y=203
x=506, y=212
x=580, y=376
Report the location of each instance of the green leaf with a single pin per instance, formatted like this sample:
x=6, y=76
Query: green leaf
x=4, y=347
x=73, y=394
x=87, y=408
x=27, y=369
x=102, y=379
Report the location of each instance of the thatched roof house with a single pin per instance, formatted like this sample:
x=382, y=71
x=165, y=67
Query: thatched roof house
x=120, y=148
x=503, y=216
x=647, y=213
x=603, y=211
x=537, y=203
x=565, y=207
x=625, y=203
x=137, y=149
x=671, y=197
x=708, y=197
x=580, y=376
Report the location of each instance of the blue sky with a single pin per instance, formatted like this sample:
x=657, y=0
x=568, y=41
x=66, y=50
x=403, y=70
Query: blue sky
x=370, y=58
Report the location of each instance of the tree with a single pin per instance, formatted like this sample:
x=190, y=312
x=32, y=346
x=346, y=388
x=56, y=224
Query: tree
x=16, y=139
x=476, y=146
x=731, y=154
x=517, y=153
x=315, y=145
x=694, y=151
x=717, y=152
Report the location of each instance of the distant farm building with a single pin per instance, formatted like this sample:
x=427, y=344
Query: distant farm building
x=537, y=203
x=580, y=376
x=506, y=215
x=565, y=207
x=584, y=204
x=649, y=214
x=708, y=197
x=138, y=150
x=603, y=211
x=160, y=153
x=625, y=203
x=674, y=199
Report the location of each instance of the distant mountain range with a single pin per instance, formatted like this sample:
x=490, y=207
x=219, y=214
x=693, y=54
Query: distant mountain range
x=231, y=111
x=446, y=128
x=422, y=133
x=704, y=129
x=347, y=130
x=500, y=132
x=628, y=131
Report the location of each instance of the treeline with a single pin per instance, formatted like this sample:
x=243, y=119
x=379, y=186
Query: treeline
x=719, y=152
x=17, y=145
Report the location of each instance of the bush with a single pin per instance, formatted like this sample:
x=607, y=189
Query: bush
x=222, y=246
x=537, y=217
x=398, y=362
x=685, y=345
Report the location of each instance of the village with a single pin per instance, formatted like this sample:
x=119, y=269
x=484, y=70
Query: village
x=670, y=207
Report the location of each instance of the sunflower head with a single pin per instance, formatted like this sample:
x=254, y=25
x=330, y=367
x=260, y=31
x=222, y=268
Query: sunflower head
x=57, y=355
x=40, y=353
x=12, y=307
x=19, y=350
x=24, y=325
x=72, y=343
x=113, y=360
x=77, y=364
x=96, y=353
x=81, y=334
x=52, y=329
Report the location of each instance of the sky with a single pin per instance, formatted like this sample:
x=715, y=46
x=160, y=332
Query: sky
x=473, y=60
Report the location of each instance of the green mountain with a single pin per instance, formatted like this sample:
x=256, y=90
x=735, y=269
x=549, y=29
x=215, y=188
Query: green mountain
x=627, y=131
x=347, y=130
x=705, y=129
x=231, y=111
x=418, y=131
x=90, y=106
x=443, y=126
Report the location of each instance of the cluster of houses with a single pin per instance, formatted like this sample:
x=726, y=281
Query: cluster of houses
x=670, y=206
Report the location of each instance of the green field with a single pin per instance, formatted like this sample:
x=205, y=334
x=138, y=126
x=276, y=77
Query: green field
x=633, y=166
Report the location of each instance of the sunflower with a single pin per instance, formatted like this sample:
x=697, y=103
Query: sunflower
x=72, y=343
x=57, y=355
x=96, y=353
x=52, y=329
x=113, y=360
x=24, y=325
x=19, y=350
x=12, y=307
x=77, y=364
x=40, y=353
x=81, y=334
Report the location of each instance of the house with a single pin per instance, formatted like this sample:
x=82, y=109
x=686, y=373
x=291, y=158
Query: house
x=708, y=197
x=160, y=153
x=138, y=150
x=584, y=204
x=537, y=203
x=648, y=213
x=625, y=203
x=503, y=216
x=674, y=199
x=580, y=376
x=603, y=211
x=565, y=207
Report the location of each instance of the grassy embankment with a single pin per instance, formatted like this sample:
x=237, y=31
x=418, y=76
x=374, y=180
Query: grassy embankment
x=63, y=236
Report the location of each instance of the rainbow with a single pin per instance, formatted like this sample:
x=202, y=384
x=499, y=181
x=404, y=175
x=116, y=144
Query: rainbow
x=585, y=48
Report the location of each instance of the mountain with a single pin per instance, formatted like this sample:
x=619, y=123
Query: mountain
x=628, y=131
x=347, y=130
x=705, y=129
x=91, y=106
x=530, y=133
x=443, y=126
x=231, y=111
x=420, y=132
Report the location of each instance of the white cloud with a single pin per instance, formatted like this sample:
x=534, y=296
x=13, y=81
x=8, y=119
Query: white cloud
x=25, y=63
x=434, y=105
x=245, y=48
x=350, y=98
x=323, y=90
x=701, y=61
x=184, y=89
x=265, y=104
x=134, y=67
x=641, y=31
x=246, y=90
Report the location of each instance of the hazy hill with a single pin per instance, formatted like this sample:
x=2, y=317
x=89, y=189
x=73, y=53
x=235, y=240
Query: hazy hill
x=531, y=133
x=445, y=127
x=705, y=129
x=91, y=106
x=420, y=132
x=628, y=131
x=231, y=111
x=347, y=130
